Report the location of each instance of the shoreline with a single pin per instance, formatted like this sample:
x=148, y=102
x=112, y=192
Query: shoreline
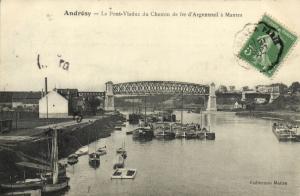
x=70, y=140
x=291, y=117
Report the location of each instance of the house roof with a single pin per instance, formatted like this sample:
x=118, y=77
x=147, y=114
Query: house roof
x=55, y=92
x=28, y=97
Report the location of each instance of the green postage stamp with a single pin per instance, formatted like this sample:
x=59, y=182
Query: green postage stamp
x=267, y=46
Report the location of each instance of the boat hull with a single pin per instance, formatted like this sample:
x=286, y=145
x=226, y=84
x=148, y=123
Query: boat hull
x=94, y=159
x=143, y=134
x=201, y=135
x=129, y=132
x=101, y=153
x=47, y=188
x=21, y=185
x=210, y=136
x=191, y=136
x=283, y=134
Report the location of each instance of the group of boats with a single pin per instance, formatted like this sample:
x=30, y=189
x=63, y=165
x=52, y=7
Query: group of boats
x=94, y=156
x=171, y=130
x=286, y=132
x=187, y=131
x=163, y=125
x=46, y=181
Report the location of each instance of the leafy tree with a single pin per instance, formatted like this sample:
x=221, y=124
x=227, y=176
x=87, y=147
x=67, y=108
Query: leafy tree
x=222, y=89
x=295, y=86
x=92, y=104
x=245, y=88
x=231, y=88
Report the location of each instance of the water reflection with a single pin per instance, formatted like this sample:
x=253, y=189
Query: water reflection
x=94, y=165
x=245, y=150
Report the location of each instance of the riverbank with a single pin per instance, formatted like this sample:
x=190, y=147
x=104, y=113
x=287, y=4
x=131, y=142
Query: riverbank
x=71, y=138
x=291, y=117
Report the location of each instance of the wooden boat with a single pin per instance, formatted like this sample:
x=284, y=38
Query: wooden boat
x=166, y=130
x=118, y=128
x=101, y=151
x=160, y=135
x=34, y=192
x=120, y=162
x=120, y=150
x=72, y=159
x=169, y=135
x=56, y=183
x=119, y=122
x=179, y=130
x=210, y=135
x=180, y=134
x=94, y=158
x=191, y=135
x=61, y=184
x=82, y=151
x=129, y=132
x=201, y=135
x=24, y=184
x=165, y=135
x=124, y=173
x=143, y=132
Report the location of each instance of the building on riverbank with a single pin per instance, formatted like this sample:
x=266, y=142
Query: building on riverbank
x=25, y=100
x=53, y=105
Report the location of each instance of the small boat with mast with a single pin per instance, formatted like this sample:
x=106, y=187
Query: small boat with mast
x=73, y=159
x=122, y=151
x=54, y=182
x=145, y=129
x=94, y=157
x=164, y=131
x=134, y=117
x=101, y=151
x=210, y=135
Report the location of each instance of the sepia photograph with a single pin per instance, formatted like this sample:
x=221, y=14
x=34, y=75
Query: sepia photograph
x=149, y=98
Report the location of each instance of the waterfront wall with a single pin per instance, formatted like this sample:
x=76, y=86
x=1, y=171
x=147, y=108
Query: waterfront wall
x=69, y=141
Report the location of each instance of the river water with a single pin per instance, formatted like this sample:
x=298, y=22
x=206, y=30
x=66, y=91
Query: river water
x=245, y=152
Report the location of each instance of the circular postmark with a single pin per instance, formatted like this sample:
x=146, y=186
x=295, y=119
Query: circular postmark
x=240, y=39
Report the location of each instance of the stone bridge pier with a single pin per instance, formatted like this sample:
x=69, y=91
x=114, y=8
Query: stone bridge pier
x=109, y=102
x=212, y=99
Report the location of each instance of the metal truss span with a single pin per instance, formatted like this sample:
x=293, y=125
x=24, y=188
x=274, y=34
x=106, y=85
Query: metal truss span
x=159, y=87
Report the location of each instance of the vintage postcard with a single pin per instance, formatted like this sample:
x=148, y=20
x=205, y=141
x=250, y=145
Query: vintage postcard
x=150, y=98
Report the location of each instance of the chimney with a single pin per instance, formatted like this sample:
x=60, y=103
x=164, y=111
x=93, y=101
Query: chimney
x=46, y=86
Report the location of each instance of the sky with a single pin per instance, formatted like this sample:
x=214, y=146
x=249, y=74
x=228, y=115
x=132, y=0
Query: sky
x=133, y=48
